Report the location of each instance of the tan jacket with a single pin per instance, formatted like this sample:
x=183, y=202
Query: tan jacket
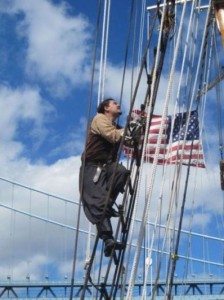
x=103, y=126
x=103, y=140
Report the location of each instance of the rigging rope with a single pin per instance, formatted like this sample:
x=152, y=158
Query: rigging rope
x=104, y=47
x=185, y=54
x=88, y=118
x=200, y=63
x=219, y=107
x=130, y=209
x=131, y=230
x=154, y=166
x=141, y=32
x=133, y=51
x=94, y=250
x=156, y=223
x=150, y=108
x=126, y=51
x=168, y=228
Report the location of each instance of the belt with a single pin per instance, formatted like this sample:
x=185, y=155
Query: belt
x=95, y=163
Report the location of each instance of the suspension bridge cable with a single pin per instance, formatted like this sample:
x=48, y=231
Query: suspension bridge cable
x=84, y=231
x=192, y=233
x=38, y=191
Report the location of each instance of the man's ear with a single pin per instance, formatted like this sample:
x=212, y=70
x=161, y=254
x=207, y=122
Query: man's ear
x=106, y=108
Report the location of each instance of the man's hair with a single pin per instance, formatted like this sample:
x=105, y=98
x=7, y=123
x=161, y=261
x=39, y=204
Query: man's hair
x=103, y=104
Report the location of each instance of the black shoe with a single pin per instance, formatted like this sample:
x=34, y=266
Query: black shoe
x=111, y=244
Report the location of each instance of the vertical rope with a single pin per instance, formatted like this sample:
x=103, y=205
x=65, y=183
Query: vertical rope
x=219, y=106
x=141, y=31
x=88, y=244
x=154, y=166
x=12, y=234
x=127, y=48
x=30, y=237
x=185, y=52
x=104, y=46
x=202, y=55
x=47, y=239
x=81, y=177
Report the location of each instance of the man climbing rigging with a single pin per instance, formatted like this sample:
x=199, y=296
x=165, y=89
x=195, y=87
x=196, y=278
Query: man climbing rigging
x=101, y=178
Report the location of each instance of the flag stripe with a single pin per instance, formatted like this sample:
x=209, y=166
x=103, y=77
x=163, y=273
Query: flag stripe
x=173, y=148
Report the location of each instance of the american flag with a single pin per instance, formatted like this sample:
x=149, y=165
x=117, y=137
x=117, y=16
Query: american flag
x=175, y=147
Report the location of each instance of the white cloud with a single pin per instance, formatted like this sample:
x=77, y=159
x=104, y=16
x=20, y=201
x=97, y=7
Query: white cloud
x=58, y=45
x=22, y=105
x=113, y=85
x=46, y=245
x=57, y=53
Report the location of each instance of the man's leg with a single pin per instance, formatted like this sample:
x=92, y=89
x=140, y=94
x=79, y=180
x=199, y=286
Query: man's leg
x=117, y=176
x=105, y=232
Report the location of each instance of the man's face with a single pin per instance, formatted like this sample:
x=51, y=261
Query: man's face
x=114, y=108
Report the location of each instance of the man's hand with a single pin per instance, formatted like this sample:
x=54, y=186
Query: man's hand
x=133, y=135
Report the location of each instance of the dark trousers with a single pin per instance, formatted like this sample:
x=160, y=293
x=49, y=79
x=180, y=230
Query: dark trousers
x=95, y=197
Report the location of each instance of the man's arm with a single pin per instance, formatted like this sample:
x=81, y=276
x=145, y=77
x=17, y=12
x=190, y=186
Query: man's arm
x=103, y=126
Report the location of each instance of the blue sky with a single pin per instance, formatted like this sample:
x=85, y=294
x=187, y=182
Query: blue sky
x=46, y=62
x=46, y=51
x=46, y=59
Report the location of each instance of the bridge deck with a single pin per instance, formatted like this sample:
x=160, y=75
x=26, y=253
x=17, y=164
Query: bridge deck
x=192, y=289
